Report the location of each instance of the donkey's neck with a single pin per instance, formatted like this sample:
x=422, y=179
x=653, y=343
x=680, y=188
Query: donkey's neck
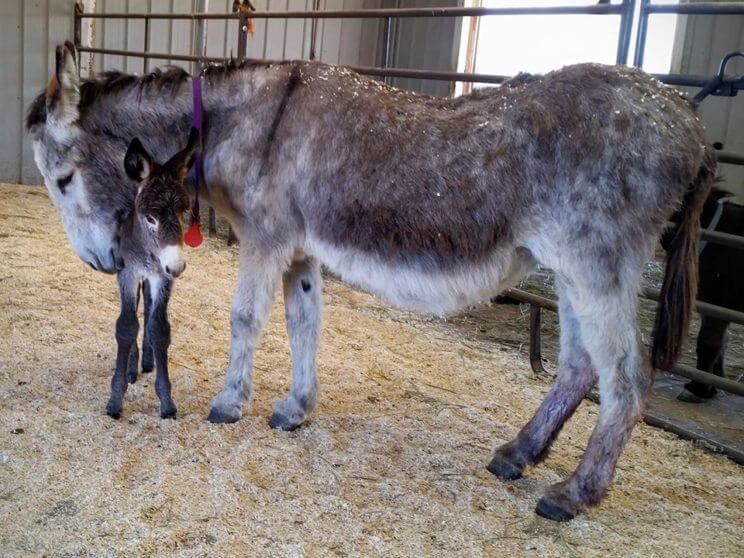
x=239, y=108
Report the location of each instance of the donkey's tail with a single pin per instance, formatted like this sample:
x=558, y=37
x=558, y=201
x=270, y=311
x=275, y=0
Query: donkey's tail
x=678, y=292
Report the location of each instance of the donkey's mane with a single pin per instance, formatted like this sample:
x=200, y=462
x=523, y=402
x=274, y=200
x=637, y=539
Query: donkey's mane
x=166, y=80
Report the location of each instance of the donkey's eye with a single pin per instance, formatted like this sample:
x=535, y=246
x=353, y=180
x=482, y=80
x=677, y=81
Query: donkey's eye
x=62, y=183
x=151, y=221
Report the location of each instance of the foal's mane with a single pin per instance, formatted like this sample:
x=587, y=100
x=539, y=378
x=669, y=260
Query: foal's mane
x=166, y=80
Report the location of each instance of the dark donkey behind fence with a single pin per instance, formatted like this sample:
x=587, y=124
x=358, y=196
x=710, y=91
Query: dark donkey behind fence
x=721, y=282
x=431, y=203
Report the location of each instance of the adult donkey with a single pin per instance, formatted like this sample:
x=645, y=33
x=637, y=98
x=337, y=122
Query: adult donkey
x=431, y=203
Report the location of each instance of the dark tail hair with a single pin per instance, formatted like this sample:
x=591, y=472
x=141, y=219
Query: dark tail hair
x=678, y=292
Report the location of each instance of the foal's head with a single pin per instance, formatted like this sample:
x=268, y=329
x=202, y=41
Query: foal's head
x=161, y=202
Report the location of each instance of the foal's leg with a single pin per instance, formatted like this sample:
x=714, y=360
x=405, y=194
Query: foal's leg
x=126, y=336
x=257, y=280
x=608, y=329
x=148, y=362
x=158, y=329
x=711, y=346
x=133, y=363
x=576, y=376
x=303, y=301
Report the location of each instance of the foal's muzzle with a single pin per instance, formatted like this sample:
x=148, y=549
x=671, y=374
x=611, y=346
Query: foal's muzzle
x=171, y=262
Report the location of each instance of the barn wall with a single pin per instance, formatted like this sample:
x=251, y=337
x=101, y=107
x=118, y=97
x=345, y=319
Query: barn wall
x=425, y=44
x=30, y=29
x=702, y=42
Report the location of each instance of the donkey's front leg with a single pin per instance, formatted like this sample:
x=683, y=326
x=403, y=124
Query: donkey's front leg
x=158, y=331
x=258, y=277
x=126, y=337
x=303, y=301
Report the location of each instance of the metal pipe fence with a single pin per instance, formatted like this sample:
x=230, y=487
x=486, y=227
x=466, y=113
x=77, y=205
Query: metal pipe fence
x=625, y=10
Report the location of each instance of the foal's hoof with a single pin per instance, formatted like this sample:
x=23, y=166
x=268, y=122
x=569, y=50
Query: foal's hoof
x=169, y=413
x=114, y=411
x=147, y=368
x=504, y=469
x=282, y=422
x=553, y=510
x=217, y=416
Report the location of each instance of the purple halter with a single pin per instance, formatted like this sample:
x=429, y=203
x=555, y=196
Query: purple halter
x=193, y=236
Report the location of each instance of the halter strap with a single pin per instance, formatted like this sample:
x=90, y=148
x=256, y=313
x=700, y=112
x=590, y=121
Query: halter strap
x=193, y=236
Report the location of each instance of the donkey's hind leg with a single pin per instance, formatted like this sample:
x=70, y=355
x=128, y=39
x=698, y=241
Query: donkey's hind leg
x=576, y=376
x=303, y=301
x=607, y=316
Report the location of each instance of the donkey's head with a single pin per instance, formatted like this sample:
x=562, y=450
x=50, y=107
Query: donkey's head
x=91, y=196
x=161, y=201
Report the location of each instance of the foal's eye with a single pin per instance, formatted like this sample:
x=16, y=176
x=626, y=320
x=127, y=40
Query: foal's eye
x=151, y=221
x=62, y=183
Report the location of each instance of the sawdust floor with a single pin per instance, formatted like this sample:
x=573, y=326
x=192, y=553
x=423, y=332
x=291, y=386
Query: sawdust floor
x=392, y=463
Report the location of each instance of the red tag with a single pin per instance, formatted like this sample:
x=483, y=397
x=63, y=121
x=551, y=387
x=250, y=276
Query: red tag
x=193, y=236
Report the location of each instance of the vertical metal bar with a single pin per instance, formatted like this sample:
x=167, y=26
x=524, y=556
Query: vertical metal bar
x=242, y=36
x=147, y=43
x=641, y=35
x=385, y=55
x=314, y=30
x=535, y=341
x=387, y=46
x=78, y=25
x=626, y=28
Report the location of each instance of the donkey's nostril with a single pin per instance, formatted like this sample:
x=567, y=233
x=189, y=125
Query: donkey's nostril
x=167, y=269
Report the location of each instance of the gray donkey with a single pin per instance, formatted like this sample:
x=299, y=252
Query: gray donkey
x=149, y=258
x=431, y=203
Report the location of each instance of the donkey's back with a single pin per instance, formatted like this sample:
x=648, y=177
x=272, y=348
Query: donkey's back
x=459, y=197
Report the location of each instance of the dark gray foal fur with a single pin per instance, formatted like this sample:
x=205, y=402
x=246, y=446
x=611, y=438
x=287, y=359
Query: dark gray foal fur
x=431, y=203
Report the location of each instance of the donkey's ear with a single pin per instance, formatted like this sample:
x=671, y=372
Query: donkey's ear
x=63, y=88
x=137, y=161
x=181, y=162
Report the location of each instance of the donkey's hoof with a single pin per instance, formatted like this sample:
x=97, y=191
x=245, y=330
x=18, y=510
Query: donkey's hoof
x=217, y=416
x=114, y=411
x=282, y=422
x=504, y=469
x=554, y=511
x=147, y=368
x=132, y=377
x=689, y=397
x=169, y=413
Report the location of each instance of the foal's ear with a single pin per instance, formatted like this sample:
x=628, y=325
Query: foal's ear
x=63, y=88
x=137, y=161
x=181, y=162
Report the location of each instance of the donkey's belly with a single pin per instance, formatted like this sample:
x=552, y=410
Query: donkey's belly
x=427, y=289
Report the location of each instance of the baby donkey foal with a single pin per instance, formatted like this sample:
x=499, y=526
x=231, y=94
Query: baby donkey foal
x=151, y=239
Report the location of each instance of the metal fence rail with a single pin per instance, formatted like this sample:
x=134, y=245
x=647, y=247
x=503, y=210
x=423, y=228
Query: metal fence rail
x=624, y=10
x=692, y=8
